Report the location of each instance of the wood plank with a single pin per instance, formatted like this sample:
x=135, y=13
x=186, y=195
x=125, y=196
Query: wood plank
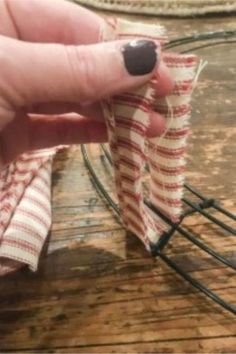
x=223, y=344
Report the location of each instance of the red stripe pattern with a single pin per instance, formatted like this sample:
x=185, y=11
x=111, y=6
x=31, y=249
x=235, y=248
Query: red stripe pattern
x=127, y=117
x=25, y=210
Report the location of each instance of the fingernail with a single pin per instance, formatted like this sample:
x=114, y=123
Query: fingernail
x=140, y=57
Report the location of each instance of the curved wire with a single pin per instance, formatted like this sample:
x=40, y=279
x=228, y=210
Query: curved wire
x=200, y=37
x=194, y=208
x=195, y=283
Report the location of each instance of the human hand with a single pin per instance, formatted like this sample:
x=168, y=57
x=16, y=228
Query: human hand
x=51, y=66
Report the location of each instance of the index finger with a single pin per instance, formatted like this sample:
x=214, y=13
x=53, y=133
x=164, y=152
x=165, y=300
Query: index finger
x=54, y=21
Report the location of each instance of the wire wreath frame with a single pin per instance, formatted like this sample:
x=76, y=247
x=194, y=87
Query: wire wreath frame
x=203, y=206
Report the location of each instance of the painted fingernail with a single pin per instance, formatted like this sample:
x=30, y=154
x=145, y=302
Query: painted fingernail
x=140, y=57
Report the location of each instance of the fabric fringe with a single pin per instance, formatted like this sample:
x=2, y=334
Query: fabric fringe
x=128, y=119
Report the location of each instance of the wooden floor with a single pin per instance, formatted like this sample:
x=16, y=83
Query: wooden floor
x=97, y=289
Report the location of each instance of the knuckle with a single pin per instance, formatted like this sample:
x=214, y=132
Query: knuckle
x=6, y=64
x=11, y=64
x=84, y=71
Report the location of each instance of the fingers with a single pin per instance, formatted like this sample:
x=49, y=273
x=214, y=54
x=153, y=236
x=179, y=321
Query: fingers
x=71, y=128
x=54, y=108
x=157, y=121
x=80, y=26
x=30, y=132
x=34, y=73
x=27, y=133
x=157, y=125
x=164, y=82
x=53, y=21
x=93, y=111
x=65, y=129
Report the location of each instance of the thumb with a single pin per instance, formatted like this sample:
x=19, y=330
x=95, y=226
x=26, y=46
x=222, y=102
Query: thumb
x=35, y=72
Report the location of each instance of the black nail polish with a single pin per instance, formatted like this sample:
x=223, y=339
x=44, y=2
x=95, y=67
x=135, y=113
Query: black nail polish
x=140, y=57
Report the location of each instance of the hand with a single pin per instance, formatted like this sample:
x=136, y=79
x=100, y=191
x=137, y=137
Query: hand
x=51, y=66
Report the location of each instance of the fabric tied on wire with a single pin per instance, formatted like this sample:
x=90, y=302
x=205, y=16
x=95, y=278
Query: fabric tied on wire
x=127, y=117
x=25, y=185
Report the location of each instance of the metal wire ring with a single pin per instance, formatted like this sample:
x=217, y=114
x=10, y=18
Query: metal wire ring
x=204, y=203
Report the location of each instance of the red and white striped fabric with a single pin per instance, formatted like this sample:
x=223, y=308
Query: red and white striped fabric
x=25, y=207
x=25, y=210
x=127, y=118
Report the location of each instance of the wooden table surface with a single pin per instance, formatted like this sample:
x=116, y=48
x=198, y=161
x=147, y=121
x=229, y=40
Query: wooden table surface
x=97, y=289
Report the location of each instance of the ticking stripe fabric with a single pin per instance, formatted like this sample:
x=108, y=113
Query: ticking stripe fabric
x=25, y=210
x=25, y=207
x=127, y=117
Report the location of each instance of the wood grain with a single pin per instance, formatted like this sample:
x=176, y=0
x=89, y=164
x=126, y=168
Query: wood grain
x=97, y=289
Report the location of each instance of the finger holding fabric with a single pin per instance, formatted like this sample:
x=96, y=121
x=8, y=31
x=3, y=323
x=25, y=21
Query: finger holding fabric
x=52, y=65
x=55, y=71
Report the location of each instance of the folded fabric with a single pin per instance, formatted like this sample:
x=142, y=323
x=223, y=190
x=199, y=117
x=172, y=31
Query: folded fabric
x=25, y=209
x=25, y=198
x=127, y=117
